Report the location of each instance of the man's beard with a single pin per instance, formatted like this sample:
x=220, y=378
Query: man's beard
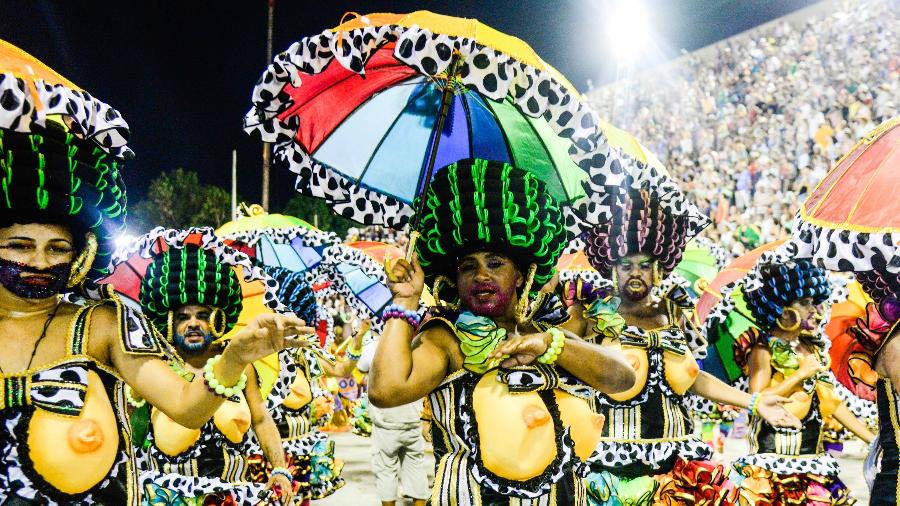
x=635, y=293
x=193, y=348
x=47, y=283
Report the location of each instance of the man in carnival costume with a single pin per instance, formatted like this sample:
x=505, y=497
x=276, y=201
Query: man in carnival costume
x=64, y=436
x=193, y=296
x=787, y=356
x=648, y=453
x=508, y=389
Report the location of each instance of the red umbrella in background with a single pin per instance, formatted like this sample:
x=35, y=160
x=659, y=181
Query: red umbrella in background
x=737, y=269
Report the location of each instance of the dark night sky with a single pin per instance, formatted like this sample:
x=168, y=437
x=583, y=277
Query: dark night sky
x=181, y=72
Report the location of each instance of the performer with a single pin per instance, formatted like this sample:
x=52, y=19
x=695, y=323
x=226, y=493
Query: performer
x=308, y=451
x=648, y=453
x=504, y=382
x=877, y=336
x=786, y=357
x=194, y=297
x=64, y=437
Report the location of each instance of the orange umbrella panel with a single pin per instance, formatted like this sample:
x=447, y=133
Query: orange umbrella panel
x=33, y=94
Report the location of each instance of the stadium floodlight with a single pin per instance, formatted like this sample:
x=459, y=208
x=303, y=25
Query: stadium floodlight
x=627, y=29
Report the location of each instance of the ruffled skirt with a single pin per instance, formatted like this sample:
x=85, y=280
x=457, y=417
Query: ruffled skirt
x=700, y=483
x=775, y=480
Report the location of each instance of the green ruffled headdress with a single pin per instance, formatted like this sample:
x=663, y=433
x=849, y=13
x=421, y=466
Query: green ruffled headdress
x=479, y=205
x=190, y=275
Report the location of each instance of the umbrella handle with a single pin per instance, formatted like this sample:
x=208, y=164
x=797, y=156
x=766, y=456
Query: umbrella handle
x=411, y=247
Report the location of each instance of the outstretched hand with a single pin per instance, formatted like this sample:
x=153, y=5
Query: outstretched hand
x=267, y=334
x=771, y=408
x=282, y=489
x=405, y=279
x=521, y=349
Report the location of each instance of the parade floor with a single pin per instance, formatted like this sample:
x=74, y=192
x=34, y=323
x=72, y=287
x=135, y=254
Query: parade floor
x=360, y=489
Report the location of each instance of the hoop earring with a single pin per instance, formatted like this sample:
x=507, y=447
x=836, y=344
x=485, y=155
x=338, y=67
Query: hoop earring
x=615, y=280
x=436, y=292
x=793, y=327
x=83, y=263
x=524, y=314
x=217, y=322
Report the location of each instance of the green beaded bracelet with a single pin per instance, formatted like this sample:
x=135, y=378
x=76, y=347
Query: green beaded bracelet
x=557, y=342
x=215, y=386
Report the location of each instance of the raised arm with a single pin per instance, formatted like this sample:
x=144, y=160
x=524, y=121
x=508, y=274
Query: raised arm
x=344, y=367
x=191, y=404
x=404, y=371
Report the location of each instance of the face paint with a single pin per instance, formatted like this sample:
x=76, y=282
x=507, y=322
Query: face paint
x=30, y=283
x=488, y=299
x=193, y=347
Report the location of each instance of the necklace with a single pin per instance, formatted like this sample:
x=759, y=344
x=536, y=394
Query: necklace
x=40, y=338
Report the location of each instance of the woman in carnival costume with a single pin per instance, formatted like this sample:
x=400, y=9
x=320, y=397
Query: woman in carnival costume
x=511, y=420
x=787, y=356
x=193, y=296
x=309, y=451
x=648, y=453
x=65, y=437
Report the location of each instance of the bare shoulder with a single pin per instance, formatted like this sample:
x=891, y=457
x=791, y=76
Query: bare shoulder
x=104, y=329
x=442, y=338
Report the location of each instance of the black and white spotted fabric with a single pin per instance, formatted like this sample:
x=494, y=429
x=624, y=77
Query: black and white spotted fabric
x=535, y=92
x=847, y=250
x=147, y=245
x=819, y=465
x=721, y=255
x=86, y=117
x=651, y=455
x=608, y=186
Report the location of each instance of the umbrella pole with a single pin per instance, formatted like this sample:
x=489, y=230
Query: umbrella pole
x=446, y=102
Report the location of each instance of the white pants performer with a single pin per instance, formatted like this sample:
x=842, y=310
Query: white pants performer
x=399, y=453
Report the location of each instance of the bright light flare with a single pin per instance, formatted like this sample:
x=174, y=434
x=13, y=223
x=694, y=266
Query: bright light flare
x=627, y=29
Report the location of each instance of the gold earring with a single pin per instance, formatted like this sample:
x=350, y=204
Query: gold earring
x=217, y=322
x=436, y=292
x=83, y=263
x=796, y=324
x=615, y=280
x=170, y=326
x=657, y=275
x=523, y=315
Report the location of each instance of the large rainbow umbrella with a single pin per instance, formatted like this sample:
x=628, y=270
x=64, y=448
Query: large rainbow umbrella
x=366, y=112
x=699, y=266
x=358, y=275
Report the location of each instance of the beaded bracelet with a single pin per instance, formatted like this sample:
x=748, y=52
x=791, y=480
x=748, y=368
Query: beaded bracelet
x=283, y=471
x=354, y=355
x=213, y=383
x=131, y=400
x=557, y=342
x=754, y=404
x=399, y=312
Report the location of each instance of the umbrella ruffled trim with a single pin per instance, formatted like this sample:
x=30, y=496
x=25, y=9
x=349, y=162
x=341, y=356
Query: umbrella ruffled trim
x=819, y=465
x=847, y=250
x=84, y=115
x=310, y=237
x=609, y=185
x=494, y=74
x=145, y=246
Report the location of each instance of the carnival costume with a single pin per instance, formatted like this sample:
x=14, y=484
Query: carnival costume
x=206, y=465
x=648, y=453
x=786, y=466
x=873, y=334
x=64, y=433
x=309, y=452
x=486, y=449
